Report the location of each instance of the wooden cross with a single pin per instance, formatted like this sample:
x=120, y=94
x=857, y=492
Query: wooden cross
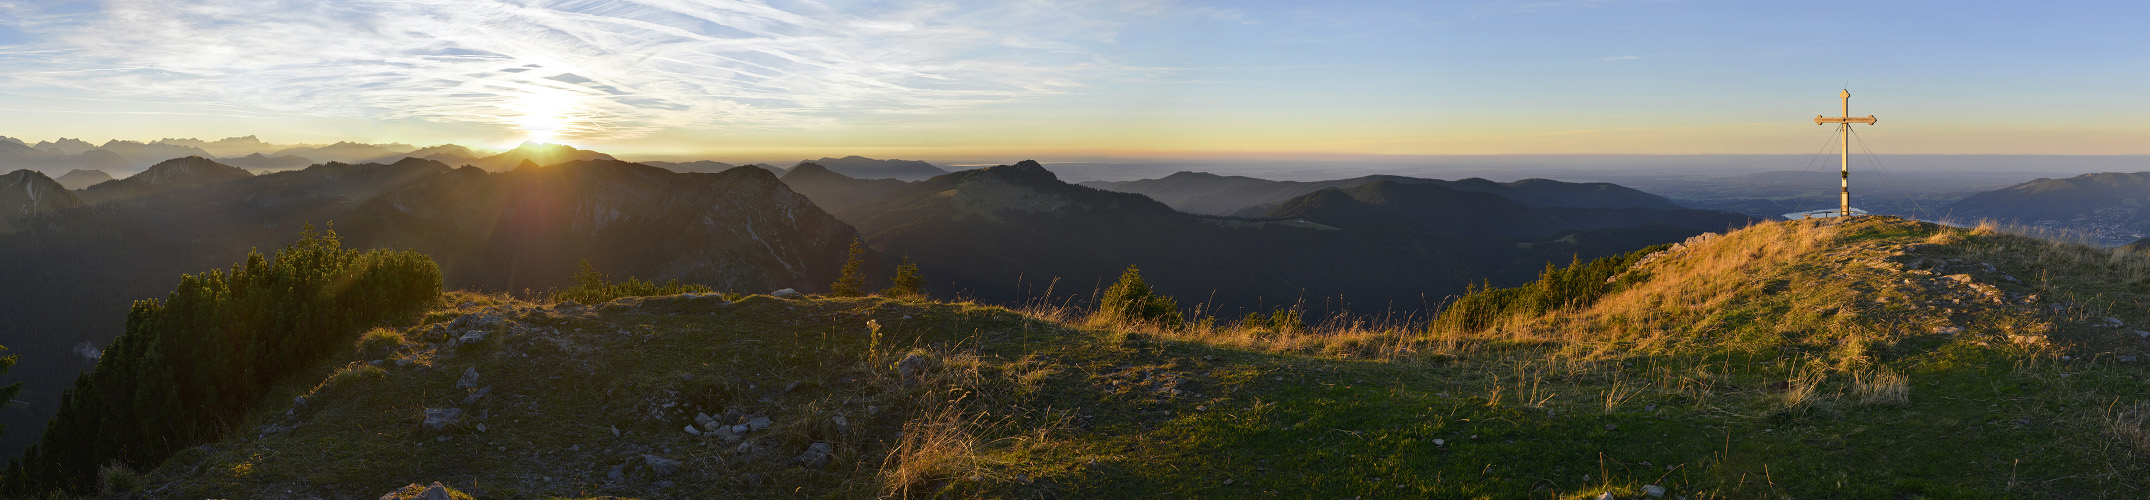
x=1844, y=123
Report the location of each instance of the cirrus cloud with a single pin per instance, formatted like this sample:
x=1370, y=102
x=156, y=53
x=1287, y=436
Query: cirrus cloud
x=575, y=69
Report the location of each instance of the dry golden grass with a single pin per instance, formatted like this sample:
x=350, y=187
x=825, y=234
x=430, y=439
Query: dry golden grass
x=2129, y=425
x=937, y=446
x=1812, y=284
x=1881, y=386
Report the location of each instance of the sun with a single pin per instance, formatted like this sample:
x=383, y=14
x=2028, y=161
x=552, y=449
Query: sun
x=545, y=118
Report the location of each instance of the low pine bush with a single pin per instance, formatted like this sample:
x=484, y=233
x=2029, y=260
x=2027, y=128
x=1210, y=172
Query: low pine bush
x=591, y=287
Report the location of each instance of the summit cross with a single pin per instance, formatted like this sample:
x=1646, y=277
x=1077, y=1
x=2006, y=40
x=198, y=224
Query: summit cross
x=1844, y=124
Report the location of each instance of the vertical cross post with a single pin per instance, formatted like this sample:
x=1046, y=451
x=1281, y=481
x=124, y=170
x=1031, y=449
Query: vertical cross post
x=1844, y=126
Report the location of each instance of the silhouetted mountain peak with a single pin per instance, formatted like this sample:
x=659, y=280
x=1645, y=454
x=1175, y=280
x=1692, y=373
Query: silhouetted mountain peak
x=539, y=153
x=81, y=178
x=1026, y=172
x=65, y=145
x=811, y=169
x=527, y=163
x=418, y=162
x=860, y=167
x=189, y=170
x=29, y=192
x=26, y=177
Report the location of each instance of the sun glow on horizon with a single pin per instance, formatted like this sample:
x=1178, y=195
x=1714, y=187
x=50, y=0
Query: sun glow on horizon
x=547, y=118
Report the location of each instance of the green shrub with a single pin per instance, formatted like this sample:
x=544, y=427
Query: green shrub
x=1577, y=285
x=353, y=374
x=591, y=287
x=1288, y=320
x=379, y=343
x=188, y=368
x=115, y=480
x=1132, y=300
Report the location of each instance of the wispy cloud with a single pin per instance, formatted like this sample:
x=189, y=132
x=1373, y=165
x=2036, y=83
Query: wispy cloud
x=587, y=69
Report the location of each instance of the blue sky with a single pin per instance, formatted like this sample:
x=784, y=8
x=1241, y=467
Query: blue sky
x=1128, y=77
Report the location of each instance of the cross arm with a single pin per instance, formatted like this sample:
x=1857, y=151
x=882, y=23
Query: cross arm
x=1868, y=119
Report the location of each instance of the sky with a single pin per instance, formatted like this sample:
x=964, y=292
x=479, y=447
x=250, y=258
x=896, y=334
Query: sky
x=1164, y=78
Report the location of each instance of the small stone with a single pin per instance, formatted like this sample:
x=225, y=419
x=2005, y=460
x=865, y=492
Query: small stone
x=725, y=433
x=2127, y=358
x=1440, y=442
x=1653, y=491
x=1227, y=482
x=817, y=455
x=440, y=418
x=703, y=419
x=435, y=492
x=758, y=423
x=785, y=293
x=477, y=395
x=619, y=473
x=742, y=429
x=481, y=427
x=693, y=431
x=2142, y=334
x=912, y=365
x=662, y=466
x=2114, y=322
x=1606, y=496
x=469, y=380
x=841, y=423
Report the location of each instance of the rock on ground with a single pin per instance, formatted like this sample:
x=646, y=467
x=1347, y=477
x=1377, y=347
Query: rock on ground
x=469, y=380
x=817, y=455
x=441, y=418
x=912, y=365
x=662, y=466
x=437, y=491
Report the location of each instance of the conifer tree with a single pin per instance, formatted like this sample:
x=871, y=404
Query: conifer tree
x=588, y=277
x=907, y=282
x=7, y=394
x=188, y=368
x=852, y=283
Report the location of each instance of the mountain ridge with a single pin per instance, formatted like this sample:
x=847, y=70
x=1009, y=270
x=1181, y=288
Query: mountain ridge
x=1212, y=194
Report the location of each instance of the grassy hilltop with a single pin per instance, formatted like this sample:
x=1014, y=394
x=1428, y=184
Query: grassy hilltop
x=1869, y=358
